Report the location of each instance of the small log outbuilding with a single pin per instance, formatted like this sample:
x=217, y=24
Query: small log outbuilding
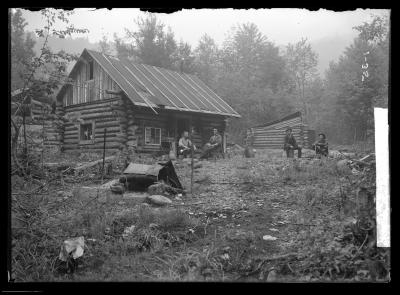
x=141, y=106
x=38, y=115
x=271, y=135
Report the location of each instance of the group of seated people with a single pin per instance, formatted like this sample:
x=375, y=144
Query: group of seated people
x=185, y=145
x=290, y=145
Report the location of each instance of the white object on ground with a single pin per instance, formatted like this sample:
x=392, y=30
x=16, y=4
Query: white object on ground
x=269, y=238
x=128, y=231
x=74, y=246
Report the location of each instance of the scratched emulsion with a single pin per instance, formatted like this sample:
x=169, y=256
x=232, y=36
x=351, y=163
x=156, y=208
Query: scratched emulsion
x=382, y=177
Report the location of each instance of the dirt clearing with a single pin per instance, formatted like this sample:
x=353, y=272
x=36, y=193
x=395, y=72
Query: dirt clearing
x=266, y=218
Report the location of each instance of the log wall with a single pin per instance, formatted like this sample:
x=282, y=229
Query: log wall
x=126, y=125
x=143, y=117
x=272, y=136
x=102, y=115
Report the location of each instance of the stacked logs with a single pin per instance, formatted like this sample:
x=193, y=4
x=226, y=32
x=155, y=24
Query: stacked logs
x=58, y=122
x=121, y=112
x=102, y=115
x=125, y=112
x=131, y=131
x=273, y=136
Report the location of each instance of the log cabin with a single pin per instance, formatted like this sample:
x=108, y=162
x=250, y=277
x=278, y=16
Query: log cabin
x=39, y=115
x=271, y=135
x=140, y=106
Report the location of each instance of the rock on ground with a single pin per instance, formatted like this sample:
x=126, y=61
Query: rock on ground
x=157, y=189
x=159, y=200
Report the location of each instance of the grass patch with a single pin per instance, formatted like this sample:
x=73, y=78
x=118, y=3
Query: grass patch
x=304, y=171
x=190, y=265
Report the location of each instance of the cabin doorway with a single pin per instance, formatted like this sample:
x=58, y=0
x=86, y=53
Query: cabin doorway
x=183, y=125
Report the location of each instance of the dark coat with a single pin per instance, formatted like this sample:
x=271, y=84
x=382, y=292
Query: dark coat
x=289, y=140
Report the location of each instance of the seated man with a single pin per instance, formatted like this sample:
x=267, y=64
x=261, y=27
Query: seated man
x=290, y=144
x=213, y=144
x=185, y=145
x=321, y=145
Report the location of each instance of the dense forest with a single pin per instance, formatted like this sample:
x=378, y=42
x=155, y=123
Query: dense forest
x=258, y=78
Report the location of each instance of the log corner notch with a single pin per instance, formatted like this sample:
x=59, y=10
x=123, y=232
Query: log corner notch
x=123, y=112
x=58, y=123
x=224, y=134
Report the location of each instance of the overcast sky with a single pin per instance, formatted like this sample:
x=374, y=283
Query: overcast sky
x=279, y=25
x=328, y=32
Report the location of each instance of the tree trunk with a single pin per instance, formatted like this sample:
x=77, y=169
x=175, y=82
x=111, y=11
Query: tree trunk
x=25, y=144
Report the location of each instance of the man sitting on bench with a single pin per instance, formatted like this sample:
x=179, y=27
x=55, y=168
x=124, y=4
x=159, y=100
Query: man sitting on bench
x=213, y=144
x=185, y=145
x=290, y=144
x=321, y=146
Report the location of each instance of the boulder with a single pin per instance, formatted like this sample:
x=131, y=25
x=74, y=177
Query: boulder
x=117, y=188
x=157, y=189
x=158, y=200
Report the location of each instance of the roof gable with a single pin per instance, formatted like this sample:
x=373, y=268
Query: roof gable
x=158, y=87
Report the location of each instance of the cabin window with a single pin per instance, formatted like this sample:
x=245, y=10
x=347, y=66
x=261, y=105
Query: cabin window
x=90, y=70
x=86, y=134
x=152, y=136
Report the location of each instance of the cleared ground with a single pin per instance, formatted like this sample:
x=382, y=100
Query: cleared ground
x=260, y=219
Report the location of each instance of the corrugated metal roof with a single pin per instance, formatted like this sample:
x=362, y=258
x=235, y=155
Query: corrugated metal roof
x=287, y=117
x=153, y=86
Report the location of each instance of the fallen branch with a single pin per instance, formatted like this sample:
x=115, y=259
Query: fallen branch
x=366, y=238
x=360, y=162
x=91, y=164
